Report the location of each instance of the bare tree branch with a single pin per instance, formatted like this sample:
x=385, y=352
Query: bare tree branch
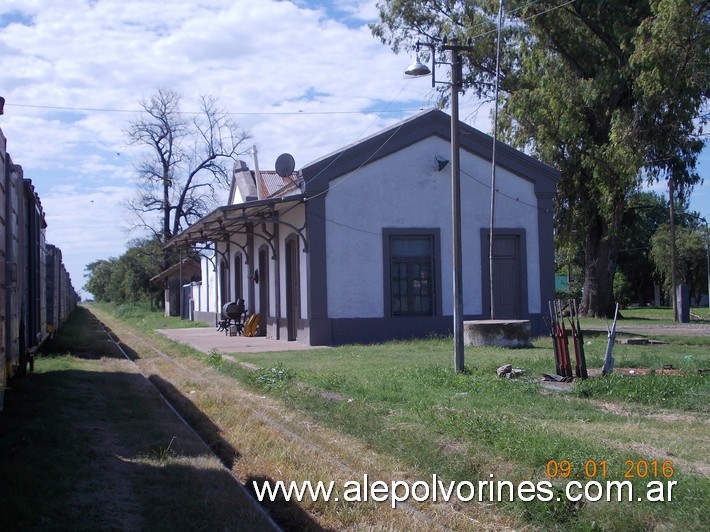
x=186, y=164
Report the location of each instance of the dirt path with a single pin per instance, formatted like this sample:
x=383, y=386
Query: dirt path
x=685, y=329
x=263, y=440
x=89, y=444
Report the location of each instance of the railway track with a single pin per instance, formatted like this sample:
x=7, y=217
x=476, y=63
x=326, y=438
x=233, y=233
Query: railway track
x=256, y=426
x=255, y=506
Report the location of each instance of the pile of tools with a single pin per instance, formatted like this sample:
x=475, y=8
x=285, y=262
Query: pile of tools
x=559, y=310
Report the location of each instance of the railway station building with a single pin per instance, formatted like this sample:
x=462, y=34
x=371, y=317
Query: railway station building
x=356, y=247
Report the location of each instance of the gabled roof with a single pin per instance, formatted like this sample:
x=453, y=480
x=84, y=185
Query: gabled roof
x=433, y=122
x=313, y=178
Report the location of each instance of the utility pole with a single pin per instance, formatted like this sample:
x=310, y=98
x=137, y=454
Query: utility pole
x=707, y=254
x=418, y=69
x=493, y=164
x=456, y=205
x=674, y=280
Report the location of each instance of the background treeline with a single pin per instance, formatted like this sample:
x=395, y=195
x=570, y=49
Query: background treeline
x=645, y=255
x=127, y=279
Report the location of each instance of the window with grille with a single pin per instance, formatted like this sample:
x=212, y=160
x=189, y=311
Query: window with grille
x=412, y=275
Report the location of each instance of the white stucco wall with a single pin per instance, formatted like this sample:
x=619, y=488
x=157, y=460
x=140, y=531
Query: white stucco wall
x=293, y=217
x=516, y=207
x=359, y=205
x=236, y=251
x=206, y=301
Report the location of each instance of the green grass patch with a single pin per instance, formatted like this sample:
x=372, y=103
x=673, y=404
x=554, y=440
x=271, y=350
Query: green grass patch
x=468, y=426
x=145, y=318
x=88, y=444
x=649, y=316
x=465, y=427
x=404, y=398
x=683, y=392
x=274, y=378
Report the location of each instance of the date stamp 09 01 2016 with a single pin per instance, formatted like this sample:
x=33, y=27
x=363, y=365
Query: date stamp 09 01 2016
x=595, y=469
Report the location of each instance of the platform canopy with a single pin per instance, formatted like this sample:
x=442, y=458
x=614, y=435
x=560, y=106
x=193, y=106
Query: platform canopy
x=229, y=220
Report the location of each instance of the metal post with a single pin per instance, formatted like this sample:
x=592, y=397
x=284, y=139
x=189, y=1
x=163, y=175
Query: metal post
x=180, y=289
x=674, y=283
x=456, y=208
x=493, y=165
x=418, y=70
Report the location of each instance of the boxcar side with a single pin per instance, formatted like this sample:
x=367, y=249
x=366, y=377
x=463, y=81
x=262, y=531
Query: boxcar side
x=36, y=294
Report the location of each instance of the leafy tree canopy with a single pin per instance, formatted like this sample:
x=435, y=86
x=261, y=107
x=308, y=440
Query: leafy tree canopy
x=127, y=278
x=692, y=245
x=606, y=91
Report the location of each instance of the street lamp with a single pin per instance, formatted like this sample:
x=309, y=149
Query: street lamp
x=419, y=69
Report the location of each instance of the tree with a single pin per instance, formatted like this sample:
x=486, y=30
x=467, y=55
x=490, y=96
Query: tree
x=691, y=257
x=98, y=274
x=186, y=162
x=579, y=92
x=674, y=38
x=127, y=279
x=645, y=213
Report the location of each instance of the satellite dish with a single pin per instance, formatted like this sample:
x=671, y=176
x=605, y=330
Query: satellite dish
x=285, y=164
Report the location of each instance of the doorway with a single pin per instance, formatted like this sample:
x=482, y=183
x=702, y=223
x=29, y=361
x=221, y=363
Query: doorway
x=263, y=290
x=293, y=289
x=509, y=275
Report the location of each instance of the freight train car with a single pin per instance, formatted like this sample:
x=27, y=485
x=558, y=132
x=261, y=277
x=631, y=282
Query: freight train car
x=3, y=232
x=33, y=318
x=61, y=297
x=36, y=294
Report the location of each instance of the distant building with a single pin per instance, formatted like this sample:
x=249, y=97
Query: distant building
x=357, y=247
x=173, y=279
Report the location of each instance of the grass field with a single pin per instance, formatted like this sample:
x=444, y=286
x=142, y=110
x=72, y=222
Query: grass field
x=88, y=444
x=399, y=411
x=403, y=398
x=652, y=316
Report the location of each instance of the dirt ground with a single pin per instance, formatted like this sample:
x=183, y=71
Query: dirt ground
x=685, y=329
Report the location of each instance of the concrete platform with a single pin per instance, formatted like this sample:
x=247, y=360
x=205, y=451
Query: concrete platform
x=499, y=333
x=208, y=339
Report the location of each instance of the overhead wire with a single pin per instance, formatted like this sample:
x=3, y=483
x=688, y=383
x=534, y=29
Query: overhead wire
x=245, y=113
x=350, y=174
x=340, y=154
x=531, y=17
x=499, y=193
x=389, y=138
x=397, y=130
x=366, y=231
x=360, y=136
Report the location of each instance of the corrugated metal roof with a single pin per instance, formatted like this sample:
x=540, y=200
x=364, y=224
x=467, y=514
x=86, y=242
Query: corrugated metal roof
x=218, y=224
x=273, y=185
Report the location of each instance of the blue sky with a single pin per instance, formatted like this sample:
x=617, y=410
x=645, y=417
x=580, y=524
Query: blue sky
x=301, y=76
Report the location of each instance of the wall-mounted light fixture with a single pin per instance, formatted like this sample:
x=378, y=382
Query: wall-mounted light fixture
x=441, y=163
